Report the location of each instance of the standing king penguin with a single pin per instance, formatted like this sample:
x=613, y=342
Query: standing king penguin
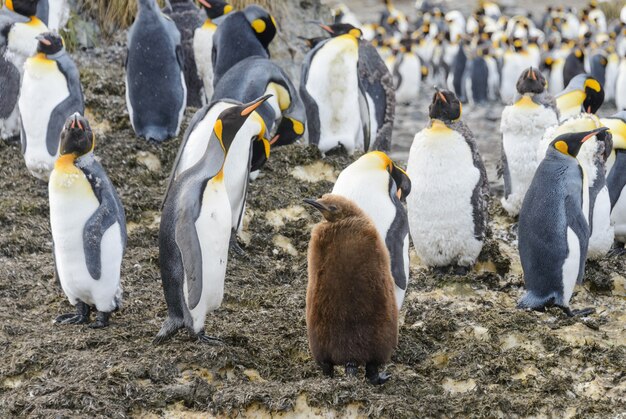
x=449, y=198
x=50, y=93
x=195, y=232
x=380, y=187
x=156, y=93
x=522, y=125
x=203, y=43
x=582, y=94
x=88, y=227
x=553, y=231
x=351, y=312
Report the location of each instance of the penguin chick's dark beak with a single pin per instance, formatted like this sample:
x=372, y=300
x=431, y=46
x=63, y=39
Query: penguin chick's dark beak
x=251, y=107
x=320, y=207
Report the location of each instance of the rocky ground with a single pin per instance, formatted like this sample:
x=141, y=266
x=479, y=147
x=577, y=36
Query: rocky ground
x=464, y=349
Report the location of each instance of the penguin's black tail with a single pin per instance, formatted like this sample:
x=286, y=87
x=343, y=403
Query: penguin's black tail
x=169, y=329
x=534, y=302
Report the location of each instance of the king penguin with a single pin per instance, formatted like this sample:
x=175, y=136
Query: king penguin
x=88, y=227
x=522, y=125
x=553, y=231
x=50, y=92
x=448, y=203
x=203, y=43
x=156, y=93
x=407, y=72
x=380, y=187
x=195, y=232
x=240, y=35
x=616, y=177
x=582, y=94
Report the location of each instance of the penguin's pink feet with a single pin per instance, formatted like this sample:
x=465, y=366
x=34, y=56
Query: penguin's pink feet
x=102, y=320
x=80, y=317
x=373, y=376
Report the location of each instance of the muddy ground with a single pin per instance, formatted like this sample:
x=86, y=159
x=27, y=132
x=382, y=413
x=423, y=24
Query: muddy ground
x=464, y=350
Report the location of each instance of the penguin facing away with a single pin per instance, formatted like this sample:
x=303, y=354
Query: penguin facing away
x=203, y=43
x=195, y=232
x=380, y=187
x=616, y=178
x=522, y=125
x=50, y=93
x=351, y=312
x=156, y=93
x=553, y=231
x=448, y=203
x=88, y=227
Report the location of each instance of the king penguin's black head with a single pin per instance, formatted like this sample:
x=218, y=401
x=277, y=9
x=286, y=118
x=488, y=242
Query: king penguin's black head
x=531, y=81
x=570, y=143
x=594, y=95
x=49, y=43
x=77, y=138
x=23, y=7
x=262, y=23
x=232, y=119
x=215, y=8
x=338, y=29
x=445, y=106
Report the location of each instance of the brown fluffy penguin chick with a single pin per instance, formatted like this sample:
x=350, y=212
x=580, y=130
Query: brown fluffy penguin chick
x=351, y=312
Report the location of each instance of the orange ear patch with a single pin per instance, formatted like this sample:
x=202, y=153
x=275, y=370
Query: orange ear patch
x=562, y=147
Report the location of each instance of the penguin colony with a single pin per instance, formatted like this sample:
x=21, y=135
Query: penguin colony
x=563, y=168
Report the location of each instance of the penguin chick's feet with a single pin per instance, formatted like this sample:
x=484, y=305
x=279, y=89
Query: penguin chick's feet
x=583, y=312
x=351, y=369
x=102, y=320
x=375, y=377
x=234, y=246
x=328, y=369
x=80, y=317
x=209, y=340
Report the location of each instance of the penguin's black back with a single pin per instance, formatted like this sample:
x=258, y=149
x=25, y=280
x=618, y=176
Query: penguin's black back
x=573, y=66
x=479, y=74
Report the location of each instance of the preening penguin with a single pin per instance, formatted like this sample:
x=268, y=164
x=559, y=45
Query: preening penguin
x=448, y=203
x=88, y=227
x=582, y=94
x=50, y=92
x=522, y=125
x=351, y=312
x=553, y=231
x=380, y=187
x=241, y=35
x=203, y=43
x=616, y=177
x=156, y=94
x=195, y=231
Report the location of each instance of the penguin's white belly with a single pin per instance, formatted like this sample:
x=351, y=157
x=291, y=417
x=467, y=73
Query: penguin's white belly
x=493, y=80
x=199, y=138
x=556, y=83
x=513, y=66
x=213, y=228
x=571, y=265
x=43, y=88
x=410, y=71
x=333, y=84
x=58, y=14
x=603, y=233
x=440, y=208
x=72, y=203
x=522, y=129
x=202, y=49
x=22, y=42
x=618, y=216
x=236, y=168
x=611, y=73
x=620, y=88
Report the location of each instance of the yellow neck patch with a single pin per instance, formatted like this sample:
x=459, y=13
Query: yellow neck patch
x=35, y=22
x=218, y=129
x=438, y=126
x=526, y=102
x=65, y=164
x=570, y=103
x=562, y=147
x=219, y=177
x=209, y=25
x=280, y=93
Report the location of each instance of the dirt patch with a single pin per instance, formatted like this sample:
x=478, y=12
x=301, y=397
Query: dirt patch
x=464, y=349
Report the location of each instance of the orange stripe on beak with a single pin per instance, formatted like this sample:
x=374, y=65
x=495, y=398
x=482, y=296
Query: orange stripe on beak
x=255, y=105
x=442, y=97
x=274, y=139
x=326, y=28
x=205, y=4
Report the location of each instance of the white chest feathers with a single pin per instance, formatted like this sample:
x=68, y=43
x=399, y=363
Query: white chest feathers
x=333, y=84
x=72, y=203
x=443, y=178
x=202, y=50
x=410, y=77
x=602, y=234
x=22, y=42
x=43, y=88
x=213, y=229
x=522, y=127
x=58, y=14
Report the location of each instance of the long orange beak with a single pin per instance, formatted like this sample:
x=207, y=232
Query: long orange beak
x=251, y=107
